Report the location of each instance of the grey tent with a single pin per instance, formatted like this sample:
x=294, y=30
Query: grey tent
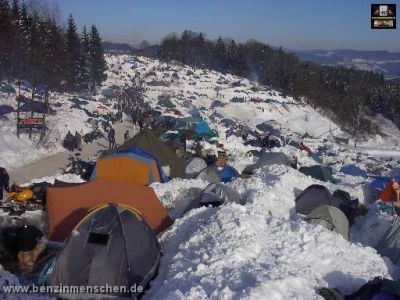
x=268, y=128
x=217, y=103
x=194, y=167
x=314, y=196
x=266, y=159
x=389, y=245
x=331, y=218
x=209, y=174
x=318, y=172
x=215, y=194
x=112, y=245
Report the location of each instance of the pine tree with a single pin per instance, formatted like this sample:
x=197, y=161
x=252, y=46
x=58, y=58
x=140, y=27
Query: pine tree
x=97, y=62
x=85, y=58
x=5, y=38
x=73, y=54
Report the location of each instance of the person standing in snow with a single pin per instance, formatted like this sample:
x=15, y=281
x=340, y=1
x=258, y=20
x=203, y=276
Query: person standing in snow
x=111, y=138
x=126, y=136
x=78, y=140
x=4, y=182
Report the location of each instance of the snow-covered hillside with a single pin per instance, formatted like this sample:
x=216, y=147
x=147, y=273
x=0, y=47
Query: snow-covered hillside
x=260, y=250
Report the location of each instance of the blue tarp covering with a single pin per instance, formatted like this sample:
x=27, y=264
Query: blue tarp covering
x=315, y=157
x=353, y=170
x=36, y=106
x=25, y=84
x=145, y=154
x=228, y=173
x=379, y=183
x=5, y=109
x=202, y=128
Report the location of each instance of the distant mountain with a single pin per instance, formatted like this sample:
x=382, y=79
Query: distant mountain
x=380, y=61
x=117, y=47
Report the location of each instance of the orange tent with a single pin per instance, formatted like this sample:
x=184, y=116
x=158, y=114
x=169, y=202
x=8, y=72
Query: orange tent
x=127, y=167
x=66, y=206
x=388, y=194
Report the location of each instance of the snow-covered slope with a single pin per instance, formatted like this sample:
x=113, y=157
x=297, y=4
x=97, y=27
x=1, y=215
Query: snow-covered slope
x=259, y=250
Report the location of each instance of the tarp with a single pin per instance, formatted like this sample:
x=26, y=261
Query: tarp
x=113, y=245
x=389, y=245
x=266, y=159
x=202, y=128
x=314, y=196
x=36, y=106
x=318, y=172
x=331, y=218
x=148, y=141
x=5, y=109
x=354, y=170
x=67, y=206
x=127, y=167
x=379, y=183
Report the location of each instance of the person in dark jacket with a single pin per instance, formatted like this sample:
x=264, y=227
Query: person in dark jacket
x=111, y=138
x=4, y=182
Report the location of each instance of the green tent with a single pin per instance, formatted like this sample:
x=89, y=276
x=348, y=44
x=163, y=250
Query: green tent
x=148, y=141
x=331, y=218
x=107, y=92
x=318, y=172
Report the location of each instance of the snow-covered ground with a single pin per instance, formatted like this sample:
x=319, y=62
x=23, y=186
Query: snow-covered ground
x=259, y=250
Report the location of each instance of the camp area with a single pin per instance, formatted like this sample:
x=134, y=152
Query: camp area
x=190, y=183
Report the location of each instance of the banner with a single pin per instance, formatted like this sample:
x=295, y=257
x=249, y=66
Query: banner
x=30, y=123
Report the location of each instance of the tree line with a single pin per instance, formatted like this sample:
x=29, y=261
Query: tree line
x=35, y=47
x=349, y=96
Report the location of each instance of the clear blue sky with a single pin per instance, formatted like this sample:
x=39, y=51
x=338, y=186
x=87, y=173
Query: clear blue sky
x=305, y=24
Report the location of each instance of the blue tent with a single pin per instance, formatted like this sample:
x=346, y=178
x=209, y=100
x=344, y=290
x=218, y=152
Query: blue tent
x=379, y=183
x=36, y=106
x=26, y=85
x=353, y=170
x=202, y=128
x=228, y=173
x=142, y=153
x=315, y=157
x=5, y=109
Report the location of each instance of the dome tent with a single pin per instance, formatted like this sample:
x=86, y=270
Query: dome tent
x=389, y=245
x=215, y=194
x=148, y=141
x=314, y=196
x=112, y=245
x=66, y=206
x=194, y=167
x=228, y=173
x=209, y=174
x=331, y=218
x=318, y=172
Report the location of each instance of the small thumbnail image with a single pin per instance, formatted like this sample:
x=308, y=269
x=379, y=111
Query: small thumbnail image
x=383, y=11
x=383, y=23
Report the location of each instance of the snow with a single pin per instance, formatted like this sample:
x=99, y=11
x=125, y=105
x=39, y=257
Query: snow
x=252, y=251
